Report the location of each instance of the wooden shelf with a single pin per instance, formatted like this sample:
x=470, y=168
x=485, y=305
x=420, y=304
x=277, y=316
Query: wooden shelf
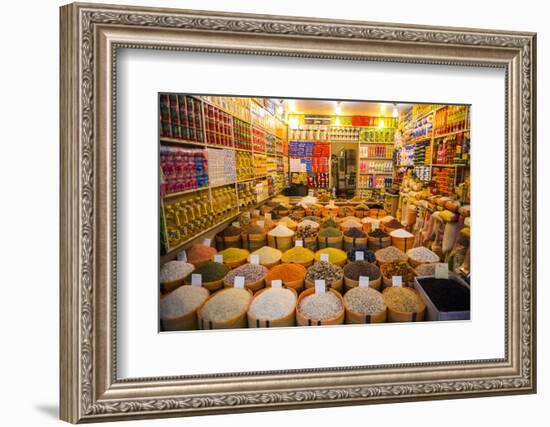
x=177, y=141
x=376, y=158
x=375, y=173
x=443, y=135
x=181, y=193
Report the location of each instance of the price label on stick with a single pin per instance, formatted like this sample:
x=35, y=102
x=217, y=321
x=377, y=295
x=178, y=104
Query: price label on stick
x=207, y=242
x=441, y=270
x=277, y=284
x=256, y=212
x=267, y=217
x=218, y=258
x=182, y=256
x=320, y=287
x=300, y=243
x=363, y=281
x=396, y=281
x=324, y=257
x=239, y=282
x=261, y=224
x=196, y=280
x=236, y=224
x=255, y=259
x=359, y=256
x=374, y=226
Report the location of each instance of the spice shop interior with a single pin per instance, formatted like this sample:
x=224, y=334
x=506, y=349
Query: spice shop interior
x=307, y=212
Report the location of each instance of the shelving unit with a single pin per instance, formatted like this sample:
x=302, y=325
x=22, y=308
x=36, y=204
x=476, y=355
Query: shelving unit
x=273, y=180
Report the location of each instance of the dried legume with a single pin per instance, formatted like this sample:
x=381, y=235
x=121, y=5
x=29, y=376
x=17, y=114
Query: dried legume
x=364, y=301
x=398, y=268
x=226, y=305
x=252, y=273
x=422, y=255
x=321, y=306
x=390, y=254
x=273, y=304
x=175, y=270
x=361, y=268
x=182, y=301
x=403, y=299
x=326, y=271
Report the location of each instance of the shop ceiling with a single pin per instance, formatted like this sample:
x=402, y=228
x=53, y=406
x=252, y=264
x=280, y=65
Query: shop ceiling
x=347, y=108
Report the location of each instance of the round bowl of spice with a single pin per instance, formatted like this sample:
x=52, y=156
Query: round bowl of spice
x=199, y=254
x=376, y=213
x=349, y=223
x=426, y=269
x=390, y=225
x=273, y=307
x=233, y=257
x=299, y=211
x=330, y=273
x=308, y=235
x=402, y=239
x=315, y=309
x=254, y=276
x=397, y=268
x=330, y=222
x=404, y=304
x=346, y=211
x=229, y=237
x=361, y=210
x=173, y=273
x=421, y=255
x=335, y=256
x=368, y=255
x=354, y=237
x=298, y=255
x=364, y=305
x=288, y=222
x=291, y=276
x=212, y=274
x=354, y=270
x=378, y=239
x=226, y=309
x=330, y=237
x=178, y=309
x=280, y=237
x=389, y=254
x=269, y=257
x=253, y=237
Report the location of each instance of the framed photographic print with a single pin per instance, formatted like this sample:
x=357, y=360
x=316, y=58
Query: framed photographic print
x=268, y=212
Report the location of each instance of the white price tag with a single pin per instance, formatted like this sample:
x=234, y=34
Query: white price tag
x=207, y=242
x=300, y=243
x=196, y=280
x=239, y=282
x=374, y=226
x=261, y=224
x=396, y=281
x=277, y=284
x=320, y=287
x=255, y=259
x=267, y=217
x=359, y=256
x=256, y=212
x=218, y=258
x=324, y=257
x=363, y=281
x=441, y=270
x=236, y=224
x=182, y=256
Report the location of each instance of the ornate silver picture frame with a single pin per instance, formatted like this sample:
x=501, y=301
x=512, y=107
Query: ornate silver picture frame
x=90, y=37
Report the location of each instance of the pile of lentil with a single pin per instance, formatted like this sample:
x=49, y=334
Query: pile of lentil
x=199, y=252
x=175, y=270
x=234, y=254
x=306, y=232
x=368, y=255
x=273, y=304
x=364, y=301
x=390, y=254
x=252, y=273
x=230, y=231
x=286, y=273
x=378, y=234
x=321, y=306
x=226, y=305
x=182, y=301
x=267, y=255
x=334, y=255
x=403, y=299
x=210, y=271
x=330, y=232
x=326, y=271
x=422, y=255
x=361, y=268
x=399, y=268
x=355, y=233
x=299, y=255
x=426, y=269
x=446, y=294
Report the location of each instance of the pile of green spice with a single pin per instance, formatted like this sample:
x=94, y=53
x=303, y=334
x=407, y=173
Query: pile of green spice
x=210, y=272
x=329, y=223
x=330, y=232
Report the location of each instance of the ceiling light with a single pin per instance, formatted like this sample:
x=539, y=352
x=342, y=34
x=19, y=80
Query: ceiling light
x=338, y=108
x=395, y=111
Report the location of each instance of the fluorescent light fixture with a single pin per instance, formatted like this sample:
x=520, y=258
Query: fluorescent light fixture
x=337, y=122
x=381, y=123
x=293, y=122
x=395, y=111
x=338, y=108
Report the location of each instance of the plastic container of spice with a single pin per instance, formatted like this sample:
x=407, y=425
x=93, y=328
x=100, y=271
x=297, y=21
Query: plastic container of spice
x=432, y=311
